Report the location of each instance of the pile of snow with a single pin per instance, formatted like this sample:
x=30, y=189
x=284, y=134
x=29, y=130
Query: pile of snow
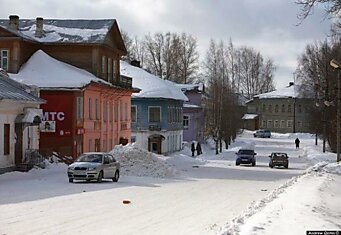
x=334, y=168
x=139, y=162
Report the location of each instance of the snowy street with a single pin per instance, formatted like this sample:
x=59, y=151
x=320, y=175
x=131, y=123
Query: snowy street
x=206, y=195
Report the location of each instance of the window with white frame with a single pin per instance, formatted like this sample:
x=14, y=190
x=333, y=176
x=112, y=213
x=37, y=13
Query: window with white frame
x=276, y=108
x=104, y=65
x=126, y=111
x=4, y=57
x=289, y=108
x=282, y=124
x=269, y=124
x=114, y=68
x=115, y=111
x=109, y=70
x=133, y=113
x=105, y=111
x=90, y=109
x=111, y=112
x=121, y=110
x=299, y=124
x=289, y=124
x=186, y=121
x=276, y=124
x=79, y=108
x=97, y=109
x=154, y=114
x=283, y=108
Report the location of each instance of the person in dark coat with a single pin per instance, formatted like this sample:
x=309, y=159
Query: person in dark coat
x=193, y=148
x=199, y=149
x=297, y=143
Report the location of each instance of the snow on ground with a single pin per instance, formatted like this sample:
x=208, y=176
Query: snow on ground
x=306, y=202
x=205, y=194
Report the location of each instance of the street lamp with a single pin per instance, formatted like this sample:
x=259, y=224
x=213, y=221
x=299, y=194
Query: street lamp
x=336, y=65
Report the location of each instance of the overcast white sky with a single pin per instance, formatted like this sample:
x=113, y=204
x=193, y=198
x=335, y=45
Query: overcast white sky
x=269, y=26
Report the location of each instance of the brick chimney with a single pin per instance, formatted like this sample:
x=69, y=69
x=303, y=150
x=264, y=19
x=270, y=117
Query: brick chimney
x=39, y=27
x=136, y=63
x=14, y=22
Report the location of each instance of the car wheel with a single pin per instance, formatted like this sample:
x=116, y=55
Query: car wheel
x=100, y=177
x=70, y=180
x=116, y=176
x=271, y=166
x=286, y=166
x=253, y=163
x=237, y=163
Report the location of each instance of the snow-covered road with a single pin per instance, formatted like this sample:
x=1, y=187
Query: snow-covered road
x=206, y=194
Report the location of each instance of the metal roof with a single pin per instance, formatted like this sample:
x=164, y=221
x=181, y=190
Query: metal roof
x=63, y=31
x=12, y=90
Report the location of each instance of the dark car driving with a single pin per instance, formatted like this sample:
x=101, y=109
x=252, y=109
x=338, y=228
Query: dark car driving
x=246, y=156
x=279, y=159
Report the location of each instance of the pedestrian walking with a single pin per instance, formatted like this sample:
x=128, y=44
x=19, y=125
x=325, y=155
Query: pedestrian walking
x=193, y=148
x=297, y=143
x=199, y=149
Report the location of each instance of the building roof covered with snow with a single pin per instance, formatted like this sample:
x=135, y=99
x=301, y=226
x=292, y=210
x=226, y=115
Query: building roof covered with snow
x=291, y=91
x=62, y=31
x=191, y=87
x=12, y=90
x=151, y=86
x=44, y=71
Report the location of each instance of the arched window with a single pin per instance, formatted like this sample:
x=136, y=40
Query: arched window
x=283, y=108
x=270, y=108
x=276, y=108
x=289, y=108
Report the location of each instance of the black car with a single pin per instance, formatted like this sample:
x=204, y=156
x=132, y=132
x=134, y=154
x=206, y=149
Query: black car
x=246, y=156
x=279, y=159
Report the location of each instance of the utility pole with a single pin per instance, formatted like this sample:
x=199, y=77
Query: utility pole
x=336, y=65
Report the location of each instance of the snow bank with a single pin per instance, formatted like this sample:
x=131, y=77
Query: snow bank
x=236, y=224
x=139, y=162
x=334, y=168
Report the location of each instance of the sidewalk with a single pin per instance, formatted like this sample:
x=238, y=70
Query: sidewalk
x=310, y=203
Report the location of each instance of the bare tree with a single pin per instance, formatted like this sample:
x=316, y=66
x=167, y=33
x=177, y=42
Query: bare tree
x=222, y=106
x=314, y=71
x=254, y=76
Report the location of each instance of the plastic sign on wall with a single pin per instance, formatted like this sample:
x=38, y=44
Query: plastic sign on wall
x=48, y=123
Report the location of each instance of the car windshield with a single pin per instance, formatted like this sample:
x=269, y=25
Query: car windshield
x=279, y=155
x=90, y=158
x=246, y=152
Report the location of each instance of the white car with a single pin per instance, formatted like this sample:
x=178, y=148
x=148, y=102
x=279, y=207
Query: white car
x=94, y=166
x=262, y=134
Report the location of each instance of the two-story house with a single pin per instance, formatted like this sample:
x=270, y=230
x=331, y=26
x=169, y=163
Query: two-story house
x=193, y=112
x=95, y=46
x=285, y=110
x=20, y=117
x=156, y=112
x=84, y=113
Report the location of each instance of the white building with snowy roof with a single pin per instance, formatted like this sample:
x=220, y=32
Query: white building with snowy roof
x=286, y=110
x=156, y=111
